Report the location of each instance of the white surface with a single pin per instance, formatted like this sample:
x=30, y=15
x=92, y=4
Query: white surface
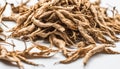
x=100, y=61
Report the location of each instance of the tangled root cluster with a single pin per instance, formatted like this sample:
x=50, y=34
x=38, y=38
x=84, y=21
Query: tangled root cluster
x=67, y=24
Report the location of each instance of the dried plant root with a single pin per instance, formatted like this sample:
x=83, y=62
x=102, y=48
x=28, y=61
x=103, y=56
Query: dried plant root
x=68, y=22
x=81, y=52
x=45, y=52
x=14, y=56
x=110, y=51
x=24, y=31
x=95, y=50
x=26, y=61
x=1, y=11
x=60, y=44
x=74, y=27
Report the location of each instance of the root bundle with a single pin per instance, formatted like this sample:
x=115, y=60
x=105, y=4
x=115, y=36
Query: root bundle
x=67, y=25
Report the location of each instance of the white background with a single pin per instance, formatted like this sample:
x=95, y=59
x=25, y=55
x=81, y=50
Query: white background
x=99, y=61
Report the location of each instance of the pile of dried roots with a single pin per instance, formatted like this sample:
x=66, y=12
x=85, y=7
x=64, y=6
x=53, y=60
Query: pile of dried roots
x=66, y=24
